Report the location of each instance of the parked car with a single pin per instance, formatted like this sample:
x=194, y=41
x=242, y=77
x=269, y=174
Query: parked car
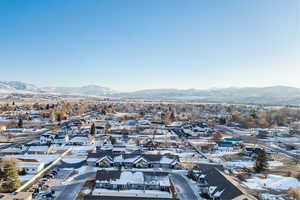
x=49, y=176
x=45, y=195
x=53, y=173
x=42, y=181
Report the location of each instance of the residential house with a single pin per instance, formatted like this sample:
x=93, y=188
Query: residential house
x=234, y=140
x=45, y=149
x=82, y=140
x=251, y=151
x=47, y=138
x=131, y=180
x=30, y=166
x=109, y=159
x=214, y=184
x=225, y=146
x=61, y=139
x=91, y=197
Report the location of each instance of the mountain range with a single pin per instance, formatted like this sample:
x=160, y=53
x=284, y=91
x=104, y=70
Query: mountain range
x=281, y=95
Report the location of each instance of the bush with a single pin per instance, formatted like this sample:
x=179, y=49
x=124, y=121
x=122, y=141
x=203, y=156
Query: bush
x=242, y=177
x=297, y=175
x=294, y=193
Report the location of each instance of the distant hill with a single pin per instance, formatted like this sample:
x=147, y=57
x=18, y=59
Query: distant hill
x=17, y=86
x=93, y=90
x=266, y=95
x=282, y=95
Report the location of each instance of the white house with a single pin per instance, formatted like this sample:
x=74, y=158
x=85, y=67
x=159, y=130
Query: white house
x=30, y=166
x=81, y=140
x=54, y=139
x=61, y=139
x=46, y=138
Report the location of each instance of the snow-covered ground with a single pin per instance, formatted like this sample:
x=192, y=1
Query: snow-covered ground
x=39, y=157
x=74, y=159
x=250, y=163
x=26, y=178
x=273, y=182
x=135, y=193
x=80, y=171
x=266, y=196
x=86, y=191
x=221, y=153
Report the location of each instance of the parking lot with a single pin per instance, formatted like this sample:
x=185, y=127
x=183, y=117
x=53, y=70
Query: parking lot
x=49, y=186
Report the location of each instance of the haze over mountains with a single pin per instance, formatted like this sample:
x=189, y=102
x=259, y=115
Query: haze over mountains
x=267, y=95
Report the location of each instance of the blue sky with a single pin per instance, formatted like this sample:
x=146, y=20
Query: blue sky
x=138, y=44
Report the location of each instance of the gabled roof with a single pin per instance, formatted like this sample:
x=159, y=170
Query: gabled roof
x=217, y=181
x=140, y=159
x=124, y=177
x=152, y=158
x=105, y=158
x=27, y=160
x=235, y=139
x=103, y=175
x=224, y=144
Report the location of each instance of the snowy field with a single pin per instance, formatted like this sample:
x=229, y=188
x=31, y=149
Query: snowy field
x=250, y=164
x=135, y=193
x=26, y=178
x=272, y=182
x=266, y=196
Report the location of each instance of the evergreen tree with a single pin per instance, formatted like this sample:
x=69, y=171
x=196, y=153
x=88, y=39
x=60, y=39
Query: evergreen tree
x=11, y=180
x=261, y=163
x=103, y=112
x=58, y=117
x=93, y=129
x=20, y=123
x=113, y=140
x=222, y=121
x=107, y=127
x=1, y=175
x=172, y=116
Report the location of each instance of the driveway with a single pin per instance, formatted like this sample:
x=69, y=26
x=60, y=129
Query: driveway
x=72, y=190
x=184, y=188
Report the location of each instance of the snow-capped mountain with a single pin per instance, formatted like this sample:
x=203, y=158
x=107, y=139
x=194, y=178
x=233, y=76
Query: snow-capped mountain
x=17, y=86
x=266, y=95
x=93, y=90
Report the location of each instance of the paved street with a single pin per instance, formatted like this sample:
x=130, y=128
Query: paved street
x=268, y=145
x=85, y=176
x=265, y=144
x=183, y=188
x=278, y=150
x=71, y=191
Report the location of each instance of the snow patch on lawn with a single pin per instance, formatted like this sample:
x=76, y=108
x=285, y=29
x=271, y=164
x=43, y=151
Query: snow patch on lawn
x=273, y=182
x=250, y=164
x=73, y=160
x=267, y=196
x=86, y=191
x=26, y=178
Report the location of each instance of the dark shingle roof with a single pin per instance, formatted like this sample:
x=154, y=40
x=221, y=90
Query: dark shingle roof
x=103, y=175
x=214, y=177
x=148, y=157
